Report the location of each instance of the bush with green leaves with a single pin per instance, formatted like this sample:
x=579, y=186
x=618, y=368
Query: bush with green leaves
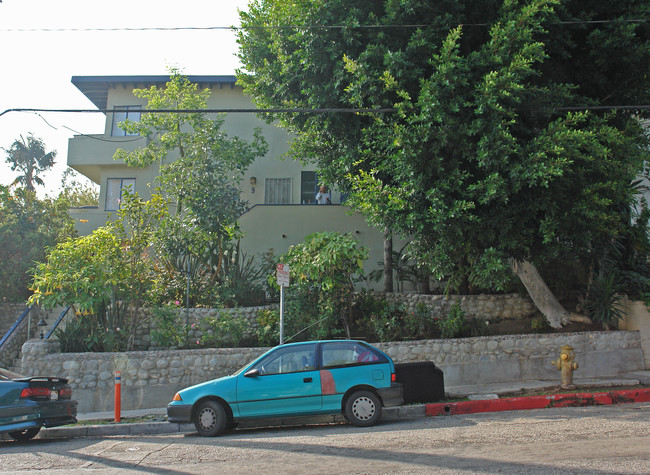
x=454, y=323
x=304, y=319
x=604, y=299
x=80, y=334
x=385, y=321
x=226, y=330
x=539, y=324
x=381, y=320
x=323, y=270
x=170, y=328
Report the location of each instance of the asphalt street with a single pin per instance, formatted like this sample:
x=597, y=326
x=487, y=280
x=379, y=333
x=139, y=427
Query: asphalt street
x=578, y=440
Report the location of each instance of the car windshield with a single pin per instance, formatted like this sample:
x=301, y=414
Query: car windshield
x=6, y=375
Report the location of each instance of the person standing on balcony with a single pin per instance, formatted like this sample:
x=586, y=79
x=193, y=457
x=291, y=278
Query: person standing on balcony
x=323, y=196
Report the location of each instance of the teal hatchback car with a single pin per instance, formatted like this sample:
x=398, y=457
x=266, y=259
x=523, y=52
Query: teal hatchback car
x=297, y=379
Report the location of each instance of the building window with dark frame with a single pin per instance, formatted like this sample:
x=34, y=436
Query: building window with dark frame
x=308, y=187
x=115, y=189
x=122, y=113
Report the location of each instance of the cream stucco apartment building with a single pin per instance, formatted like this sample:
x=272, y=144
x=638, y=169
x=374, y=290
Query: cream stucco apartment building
x=280, y=192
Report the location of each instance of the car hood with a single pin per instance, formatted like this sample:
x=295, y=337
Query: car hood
x=224, y=387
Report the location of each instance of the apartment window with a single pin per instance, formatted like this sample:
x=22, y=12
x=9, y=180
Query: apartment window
x=122, y=113
x=308, y=187
x=115, y=189
x=277, y=191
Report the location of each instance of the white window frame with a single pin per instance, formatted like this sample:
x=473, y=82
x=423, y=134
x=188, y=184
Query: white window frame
x=277, y=191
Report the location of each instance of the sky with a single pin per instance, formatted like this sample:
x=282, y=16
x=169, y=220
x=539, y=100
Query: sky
x=37, y=66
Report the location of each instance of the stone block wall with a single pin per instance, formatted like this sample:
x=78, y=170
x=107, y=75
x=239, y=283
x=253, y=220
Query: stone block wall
x=487, y=307
x=150, y=378
x=9, y=314
x=143, y=335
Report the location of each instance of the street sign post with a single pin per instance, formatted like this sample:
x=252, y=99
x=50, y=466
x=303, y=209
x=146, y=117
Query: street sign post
x=283, y=281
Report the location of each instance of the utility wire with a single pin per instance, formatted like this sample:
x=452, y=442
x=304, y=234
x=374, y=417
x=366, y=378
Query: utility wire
x=215, y=111
x=326, y=110
x=307, y=27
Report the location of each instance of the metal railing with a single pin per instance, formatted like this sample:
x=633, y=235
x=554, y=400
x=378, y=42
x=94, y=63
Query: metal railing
x=14, y=326
x=58, y=320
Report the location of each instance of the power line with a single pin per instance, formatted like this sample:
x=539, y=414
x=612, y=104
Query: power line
x=325, y=110
x=280, y=27
x=215, y=111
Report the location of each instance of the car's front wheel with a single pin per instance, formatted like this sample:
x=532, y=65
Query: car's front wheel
x=363, y=408
x=26, y=434
x=210, y=418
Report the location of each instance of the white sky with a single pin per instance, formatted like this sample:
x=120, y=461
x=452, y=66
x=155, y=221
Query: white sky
x=37, y=66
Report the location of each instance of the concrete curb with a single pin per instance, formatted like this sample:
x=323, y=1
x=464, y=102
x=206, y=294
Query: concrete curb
x=417, y=411
x=539, y=402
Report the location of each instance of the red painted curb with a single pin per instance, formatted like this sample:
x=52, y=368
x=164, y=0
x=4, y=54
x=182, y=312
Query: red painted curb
x=538, y=402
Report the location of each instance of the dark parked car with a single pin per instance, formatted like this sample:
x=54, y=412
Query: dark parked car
x=29, y=403
x=315, y=377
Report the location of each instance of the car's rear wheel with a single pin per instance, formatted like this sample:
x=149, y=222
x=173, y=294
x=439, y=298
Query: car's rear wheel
x=26, y=434
x=210, y=418
x=363, y=408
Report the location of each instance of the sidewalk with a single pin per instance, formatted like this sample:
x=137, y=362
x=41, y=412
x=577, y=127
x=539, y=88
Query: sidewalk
x=482, y=399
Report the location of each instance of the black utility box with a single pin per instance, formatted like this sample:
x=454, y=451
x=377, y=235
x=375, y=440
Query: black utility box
x=422, y=382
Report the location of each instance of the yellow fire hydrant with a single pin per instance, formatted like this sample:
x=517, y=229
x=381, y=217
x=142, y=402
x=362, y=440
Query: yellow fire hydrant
x=566, y=364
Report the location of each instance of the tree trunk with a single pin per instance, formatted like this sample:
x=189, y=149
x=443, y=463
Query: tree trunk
x=542, y=296
x=388, y=260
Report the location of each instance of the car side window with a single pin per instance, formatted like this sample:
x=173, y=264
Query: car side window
x=292, y=359
x=349, y=353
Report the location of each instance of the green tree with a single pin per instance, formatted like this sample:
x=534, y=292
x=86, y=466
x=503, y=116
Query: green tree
x=77, y=191
x=479, y=164
x=87, y=273
x=28, y=227
x=323, y=268
x=135, y=226
x=29, y=158
x=200, y=165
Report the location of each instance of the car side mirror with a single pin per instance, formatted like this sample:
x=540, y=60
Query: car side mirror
x=251, y=373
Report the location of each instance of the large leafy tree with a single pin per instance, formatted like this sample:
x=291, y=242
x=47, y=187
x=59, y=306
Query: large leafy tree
x=28, y=227
x=29, y=158
x=106, y=276
x=200, y=167
x=480, y=163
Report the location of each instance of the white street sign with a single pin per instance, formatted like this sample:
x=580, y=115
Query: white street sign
x=283, y=275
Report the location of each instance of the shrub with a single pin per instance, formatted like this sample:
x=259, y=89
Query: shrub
x=387, y=322
x=604, y=300
x=82, y=334
x=170, y=329
x=227, y=330
x=539, y=324
x=454, y=324
x=477, y=327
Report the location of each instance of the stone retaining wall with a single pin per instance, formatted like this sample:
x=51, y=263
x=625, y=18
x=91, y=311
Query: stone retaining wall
x=150, y=378
x=9, y=314
x=486, y=307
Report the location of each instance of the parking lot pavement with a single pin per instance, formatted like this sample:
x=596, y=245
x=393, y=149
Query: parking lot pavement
x=153, y=420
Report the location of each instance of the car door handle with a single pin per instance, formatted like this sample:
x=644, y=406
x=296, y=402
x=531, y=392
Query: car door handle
x=307, y=380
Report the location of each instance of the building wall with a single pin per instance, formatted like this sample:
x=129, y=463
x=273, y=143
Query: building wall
x=278, y=227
